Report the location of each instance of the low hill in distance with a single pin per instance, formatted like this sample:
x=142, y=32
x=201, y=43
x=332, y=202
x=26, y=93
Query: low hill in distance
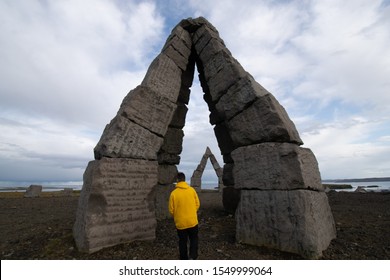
x=376, y=179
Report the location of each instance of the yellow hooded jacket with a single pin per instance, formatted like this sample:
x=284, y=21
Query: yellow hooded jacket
x=183, y=206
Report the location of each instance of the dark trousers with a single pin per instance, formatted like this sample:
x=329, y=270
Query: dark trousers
x=190, y=234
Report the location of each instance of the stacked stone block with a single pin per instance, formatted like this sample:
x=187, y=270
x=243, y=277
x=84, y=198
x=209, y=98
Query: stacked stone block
x=196, y=179
x=126, y=187
x=272, y=184
x=112, y=207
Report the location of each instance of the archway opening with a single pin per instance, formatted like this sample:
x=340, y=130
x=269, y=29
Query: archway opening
x=198, y=134
x=140, y=149
x=209, y=178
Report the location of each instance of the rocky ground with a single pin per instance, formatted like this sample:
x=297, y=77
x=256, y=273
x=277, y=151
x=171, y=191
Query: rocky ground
x=41, y=228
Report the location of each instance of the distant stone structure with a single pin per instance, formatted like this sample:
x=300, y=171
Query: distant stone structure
x=360, y=189
x=280, y=200
x=33, y=191
x=196, y=179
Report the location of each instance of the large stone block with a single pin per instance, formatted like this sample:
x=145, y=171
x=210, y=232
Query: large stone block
x=167, y=174
x=184, y=95
x=225, y=142
x=178, y=47
x=276, y=166
x=298, y=221
x=33, y=191
x=230, y=199
x=123, y=138
x=160, y=196
x=179, y=33
x=265, y=121
x=173, y=141
x=227, y=175
x=113, y=206
x=148, y=109
x=187, y=77
x=238, y=97
x=179, y=117
x=196, y=178
x=164, y=77
x=221, y=72
x=167, y=158
x=207, y=43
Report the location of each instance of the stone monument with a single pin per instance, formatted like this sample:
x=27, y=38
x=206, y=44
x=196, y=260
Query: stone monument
x=196, y=179
x=281, y=202
x=33, y=191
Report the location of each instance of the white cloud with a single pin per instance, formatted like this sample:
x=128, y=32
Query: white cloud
x=347, y=55
x=73, y=59
x=327, y=62
x=67, y=65
x=37, y=148
x=198, y=135
x=347, y=149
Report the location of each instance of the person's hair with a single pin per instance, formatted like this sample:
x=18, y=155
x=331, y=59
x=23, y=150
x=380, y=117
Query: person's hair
x=181, y=176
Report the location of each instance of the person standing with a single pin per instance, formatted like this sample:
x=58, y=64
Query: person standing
x=183, y=206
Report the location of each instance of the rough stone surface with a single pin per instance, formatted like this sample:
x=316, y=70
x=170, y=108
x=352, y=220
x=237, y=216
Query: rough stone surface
x=178, y=47
x=265, y=121
x=238, y=96
x=148, y=109
x=230, y=199
x=179, y=117
x=225, y=142
x=167, y=174
x=221, y=72
x=138, y=152
x=33, y=191
x=298, y=221
x=160, y=196
x=276, y=166
x=196, y=179
x=123, y=138
x=112, y=207
x=167, y=158
x=173, y=141
x=206, y=36
x=227, y=175
x=164, y=77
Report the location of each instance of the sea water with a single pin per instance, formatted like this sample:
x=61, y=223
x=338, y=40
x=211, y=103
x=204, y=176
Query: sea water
x=10, y=186
x=77, y=185
x=368, y=186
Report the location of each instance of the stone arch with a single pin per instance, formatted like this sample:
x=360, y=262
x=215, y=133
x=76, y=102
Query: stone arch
x=196, y=178
x=282, y=203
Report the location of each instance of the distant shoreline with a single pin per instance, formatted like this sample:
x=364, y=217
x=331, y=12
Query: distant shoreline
x=376, y=179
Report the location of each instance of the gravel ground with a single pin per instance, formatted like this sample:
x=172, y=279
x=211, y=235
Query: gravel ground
x=41, y=228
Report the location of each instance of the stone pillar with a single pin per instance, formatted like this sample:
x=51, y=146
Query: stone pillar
x=33, y=191
x=274, y=183
x=283, y=203
x=113, y=206
x=125, y=188
x=196, y=179
x=264, y=164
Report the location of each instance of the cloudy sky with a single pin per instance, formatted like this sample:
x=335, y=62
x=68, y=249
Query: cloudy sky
x=66, y=66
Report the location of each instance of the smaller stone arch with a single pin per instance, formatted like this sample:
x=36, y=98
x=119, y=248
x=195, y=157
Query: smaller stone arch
x=196, y=179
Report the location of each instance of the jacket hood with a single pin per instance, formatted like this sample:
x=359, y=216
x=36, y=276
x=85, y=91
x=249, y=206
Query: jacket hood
x=182, y=185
